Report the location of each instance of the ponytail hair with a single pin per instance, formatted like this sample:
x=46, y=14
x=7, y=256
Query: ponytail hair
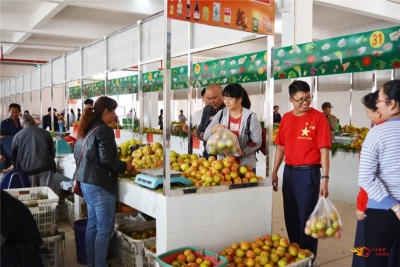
x=91, y=114
x=235, y=90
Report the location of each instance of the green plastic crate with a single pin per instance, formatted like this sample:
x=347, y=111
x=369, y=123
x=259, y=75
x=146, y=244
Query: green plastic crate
x=167, y=258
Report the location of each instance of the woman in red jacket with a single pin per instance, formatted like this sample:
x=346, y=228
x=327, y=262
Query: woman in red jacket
x=369, y=101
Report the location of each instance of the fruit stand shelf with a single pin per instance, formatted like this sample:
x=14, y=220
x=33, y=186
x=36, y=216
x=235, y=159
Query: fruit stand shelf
x=208, y=219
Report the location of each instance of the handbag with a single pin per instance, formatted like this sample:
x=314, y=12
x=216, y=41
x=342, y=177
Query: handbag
x=76, y=189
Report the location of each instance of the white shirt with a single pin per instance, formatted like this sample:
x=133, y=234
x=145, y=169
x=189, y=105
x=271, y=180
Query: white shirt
x=197, y=117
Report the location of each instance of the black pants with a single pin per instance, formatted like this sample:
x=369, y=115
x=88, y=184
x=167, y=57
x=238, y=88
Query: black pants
x=359, y=260
x=382, y=237
x=300, y=189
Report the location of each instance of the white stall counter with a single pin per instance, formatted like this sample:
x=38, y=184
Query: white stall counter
x=211, y=220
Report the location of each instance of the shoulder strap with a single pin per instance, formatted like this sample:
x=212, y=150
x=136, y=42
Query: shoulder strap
x=83, y=145
x=220, y=116
x=247, y=131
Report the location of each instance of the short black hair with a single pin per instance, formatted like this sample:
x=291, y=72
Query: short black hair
x=298, y=86
x=392, y=90
x=203, y=92
x=276, y=106
x=49, y=109
x=235, y=90
x=88, y=101
x=14, y=105
x=26, y=111
x=369, y=101
x=181, y=110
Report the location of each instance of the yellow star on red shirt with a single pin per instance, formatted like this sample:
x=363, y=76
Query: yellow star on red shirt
x=305, y=131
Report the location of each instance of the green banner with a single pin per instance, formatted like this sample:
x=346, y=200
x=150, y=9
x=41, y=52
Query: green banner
x=152, y=81
x=75, y=92
x=367, y=51
x=373, y=50
x=123, y=85
x=93, y=89
x=179, y=78
x=239, y=69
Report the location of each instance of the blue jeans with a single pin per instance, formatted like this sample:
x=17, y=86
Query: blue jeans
x=101, y=217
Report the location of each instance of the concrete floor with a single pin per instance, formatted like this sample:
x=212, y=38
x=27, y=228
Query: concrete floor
x=331, y=252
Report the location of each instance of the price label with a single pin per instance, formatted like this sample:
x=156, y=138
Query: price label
x=377, y=39
x=149, y=137
x=118, y=133
x=197, y=68
x=196, y=143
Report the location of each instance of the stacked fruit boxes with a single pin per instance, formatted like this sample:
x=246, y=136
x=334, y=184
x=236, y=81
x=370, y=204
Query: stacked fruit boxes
x=42, y=202
x=132, y=248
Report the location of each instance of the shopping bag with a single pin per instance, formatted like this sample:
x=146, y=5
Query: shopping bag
x=223, y=142
x=324, y=221
x=76, y=189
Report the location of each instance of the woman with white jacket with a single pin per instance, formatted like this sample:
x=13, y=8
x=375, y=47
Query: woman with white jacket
x=234, y=118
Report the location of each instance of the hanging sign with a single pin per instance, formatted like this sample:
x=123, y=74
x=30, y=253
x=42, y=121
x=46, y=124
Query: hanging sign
x=152, y=81
x=256, y=16
x=367, y=51
x=93, y=89
x=123, y=85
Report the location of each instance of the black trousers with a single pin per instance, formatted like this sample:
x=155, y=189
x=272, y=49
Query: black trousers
x=300, y=189
x=382, y=237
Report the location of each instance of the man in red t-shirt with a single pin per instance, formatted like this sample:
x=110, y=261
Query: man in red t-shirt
x=304, y=141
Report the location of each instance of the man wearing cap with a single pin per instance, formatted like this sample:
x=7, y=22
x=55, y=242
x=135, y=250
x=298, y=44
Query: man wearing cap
x=333, y=121
x=33, y=153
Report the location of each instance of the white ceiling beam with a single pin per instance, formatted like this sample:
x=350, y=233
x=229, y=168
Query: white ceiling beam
x=40, y=17
x=69, y=29
x=384, y=10
x=133, y=6
x=44, y=13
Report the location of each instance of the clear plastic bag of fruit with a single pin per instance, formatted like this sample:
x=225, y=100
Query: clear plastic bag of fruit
x=223, y=142
x=324, y=221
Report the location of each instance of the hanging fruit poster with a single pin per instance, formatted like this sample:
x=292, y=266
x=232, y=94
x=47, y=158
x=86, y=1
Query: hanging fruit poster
x=179, y=78
x=255, y=16
x=93, y=89
x=152, y=81
x=367, y=51
x=239, y=69
x=75, y=92
x=123, y=85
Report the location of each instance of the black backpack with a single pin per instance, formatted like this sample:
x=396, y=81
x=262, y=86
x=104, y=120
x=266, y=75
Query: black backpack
x=250, y=143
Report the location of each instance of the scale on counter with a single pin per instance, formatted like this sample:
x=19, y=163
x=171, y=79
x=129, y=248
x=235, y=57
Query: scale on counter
x=152, y=178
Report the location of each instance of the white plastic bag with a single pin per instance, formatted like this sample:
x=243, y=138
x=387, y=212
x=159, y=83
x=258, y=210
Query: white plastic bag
x=223, y=142
x=324, y=221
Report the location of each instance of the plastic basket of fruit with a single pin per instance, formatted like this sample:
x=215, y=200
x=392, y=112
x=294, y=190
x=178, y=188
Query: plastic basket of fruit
x=186, y=255
x=150, y=256
x=42, y=202
x=53, y=243
x=306, y=262
x=71, y=211
x=132, y=241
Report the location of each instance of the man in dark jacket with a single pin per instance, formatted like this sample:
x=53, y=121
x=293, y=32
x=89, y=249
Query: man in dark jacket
x=214, y=97
x=5, y=149
x=47, y=121
x=12, y=124
x=21, y=243
x=33, y=152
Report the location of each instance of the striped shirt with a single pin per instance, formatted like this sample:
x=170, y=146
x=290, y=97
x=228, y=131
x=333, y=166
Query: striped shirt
x=379, y=170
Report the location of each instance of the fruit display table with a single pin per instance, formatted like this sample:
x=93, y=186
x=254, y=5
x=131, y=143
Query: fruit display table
x=192, y=219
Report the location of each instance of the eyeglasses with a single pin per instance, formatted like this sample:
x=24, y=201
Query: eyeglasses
x=384, y=100
x=302, y=100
